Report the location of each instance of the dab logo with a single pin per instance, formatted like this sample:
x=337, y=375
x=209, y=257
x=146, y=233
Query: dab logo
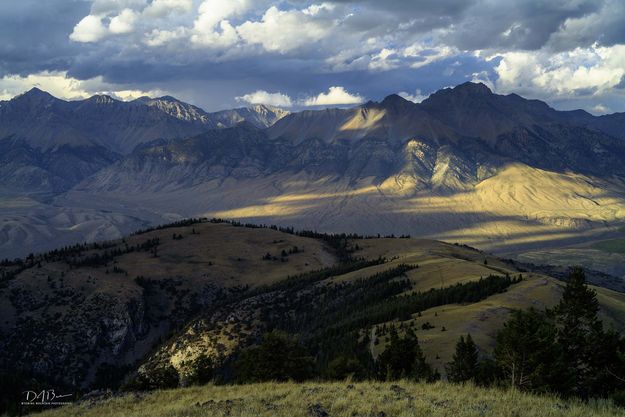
x=45, y=397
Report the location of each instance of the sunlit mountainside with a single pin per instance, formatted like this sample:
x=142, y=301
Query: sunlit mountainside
x=498, y=172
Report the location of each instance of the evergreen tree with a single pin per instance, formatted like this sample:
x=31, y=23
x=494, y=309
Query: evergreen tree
x=527, y=353
x=579, y=332
x=278, y=358
x=202, y=370
x=464, y=365
x=343, y=367
x=403, y=358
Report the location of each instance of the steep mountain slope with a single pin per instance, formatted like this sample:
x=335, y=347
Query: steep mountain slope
x=498, y=172
x=435, y=169
x=394, y=120
x=612, y=124
x=25, y=169
x=49, y=145
x=259, y=115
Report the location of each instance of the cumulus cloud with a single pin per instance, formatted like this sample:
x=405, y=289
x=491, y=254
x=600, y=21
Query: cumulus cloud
x=582, y=71
x=600, y=109
x=558, y=50
x=211, y=28
x=334, y=96
x=123, y=22
x=92, y=28
x=604, y=25
x=263, y=97
x=384, y=60
x=60, y=85
x=283, y=31
x=89, y=29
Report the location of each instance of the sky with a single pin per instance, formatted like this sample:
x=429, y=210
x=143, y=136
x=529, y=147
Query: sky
x=298, y=54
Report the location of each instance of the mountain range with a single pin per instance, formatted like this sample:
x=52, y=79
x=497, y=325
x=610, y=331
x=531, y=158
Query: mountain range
x=499, y=172
x=49, y=145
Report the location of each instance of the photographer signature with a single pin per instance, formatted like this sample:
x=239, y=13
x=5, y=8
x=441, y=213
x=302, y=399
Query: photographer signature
x=45, y=397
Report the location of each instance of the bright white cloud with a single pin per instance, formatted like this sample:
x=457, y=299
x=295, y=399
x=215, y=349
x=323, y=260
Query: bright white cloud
x=163, y=8
x=89, y=29
x=212, y=27
x=580, y=72
x=92, y=28
x=60, y=85
x=352, y=36
x=128, y=95
x=123, y=22
x=335, y=96
x=263, y=97
x=56, y=83
x=600, y=109
x=282, y=31
x=417, y=97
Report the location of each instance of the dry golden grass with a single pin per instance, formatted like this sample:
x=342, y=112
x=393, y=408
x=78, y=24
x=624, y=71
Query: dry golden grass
x=338, y=399
x=219, y=254
x=226, y=255
x=439, y=264
x=483, y=319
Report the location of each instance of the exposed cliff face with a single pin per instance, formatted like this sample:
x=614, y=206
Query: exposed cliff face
x=64, y=332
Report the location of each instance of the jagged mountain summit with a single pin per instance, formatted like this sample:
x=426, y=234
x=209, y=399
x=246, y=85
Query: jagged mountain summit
x=466, y=164
x=48, y=144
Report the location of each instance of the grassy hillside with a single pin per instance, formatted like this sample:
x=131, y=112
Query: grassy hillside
x=340, y=297
x=99, y=315
x=112, y=302
x=340, y=399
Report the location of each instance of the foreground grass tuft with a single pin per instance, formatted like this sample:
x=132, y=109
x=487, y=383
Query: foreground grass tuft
x=339, y=399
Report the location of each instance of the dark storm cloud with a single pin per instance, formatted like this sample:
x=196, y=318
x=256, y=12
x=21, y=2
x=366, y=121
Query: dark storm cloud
x=33, y=35
x=511, y=24
x=606, y=26
x=369, y=47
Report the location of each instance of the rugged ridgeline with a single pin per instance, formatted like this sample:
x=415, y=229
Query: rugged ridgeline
x=49, y=145
x=497, y=172
x=92, y=315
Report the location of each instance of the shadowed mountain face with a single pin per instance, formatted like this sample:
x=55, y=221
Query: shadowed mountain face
x=465, y=165
x=453, y=140
x=50, y=145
